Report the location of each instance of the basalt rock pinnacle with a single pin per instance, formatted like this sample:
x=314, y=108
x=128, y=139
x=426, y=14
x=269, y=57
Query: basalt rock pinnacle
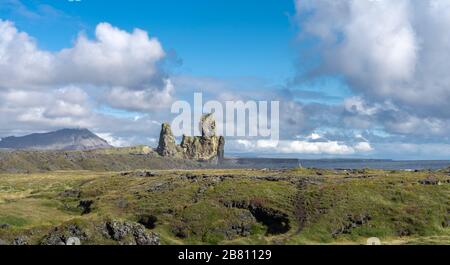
x=167, y=145
x=208, y=147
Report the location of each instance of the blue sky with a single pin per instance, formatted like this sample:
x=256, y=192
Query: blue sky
x=213, y=38
x=354, y=78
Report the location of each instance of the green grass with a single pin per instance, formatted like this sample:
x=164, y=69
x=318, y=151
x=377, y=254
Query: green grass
x=114, y=159
x=13, y=221
x=392, y=205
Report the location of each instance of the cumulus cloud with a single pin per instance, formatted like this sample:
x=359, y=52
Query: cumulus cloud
x=368, y=115
x=114, y=58
x=122, y=62
x=305, y=147
x=385, y=49
x=114, y=141
x=415, y=150
x=93, y=84
x=363, y=147
x=141, y=100
x=65, y=107
x=21, y=62
x=394, y=56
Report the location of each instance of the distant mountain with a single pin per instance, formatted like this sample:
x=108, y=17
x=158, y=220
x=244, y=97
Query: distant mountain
x=66, y=139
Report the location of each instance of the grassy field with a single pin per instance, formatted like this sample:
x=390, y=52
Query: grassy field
x=300, y=206
x=114, y=159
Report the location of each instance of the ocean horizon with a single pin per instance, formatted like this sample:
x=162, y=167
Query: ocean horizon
x=337, y=164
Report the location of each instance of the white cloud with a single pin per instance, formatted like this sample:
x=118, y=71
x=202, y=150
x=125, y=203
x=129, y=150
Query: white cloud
x=21, y=62
x=413, y=125
x=69, y=102
x=141, y=100
x=124, y=63
x=246, y=144
x=378, y=40
x=42, y=91
x=358, y=106
x=304, y=147
x=415, y=150
x=395, y=50
x=114, y=141
x=314, y=136
x=115, y=58
x=363, y=147
x=65, y=107
x=363, y=114
x=267, y=144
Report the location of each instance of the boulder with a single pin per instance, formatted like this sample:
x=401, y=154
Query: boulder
x=86, y=206
x=65, y=235
x=242, y=226
x=138, y=174
x=20, y=241
x=128, y=233
x=4, y=226
x=73, y=241
x=430, y=181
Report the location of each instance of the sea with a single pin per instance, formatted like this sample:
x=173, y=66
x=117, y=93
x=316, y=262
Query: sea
x=337, y=164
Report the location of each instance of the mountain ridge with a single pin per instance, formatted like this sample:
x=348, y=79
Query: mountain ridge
x=64, y=139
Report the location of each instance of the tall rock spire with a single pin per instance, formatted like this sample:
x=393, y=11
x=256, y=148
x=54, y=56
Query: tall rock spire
x=207, y=147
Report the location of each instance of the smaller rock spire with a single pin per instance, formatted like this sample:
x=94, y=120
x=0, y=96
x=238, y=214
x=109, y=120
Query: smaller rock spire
x=167, y=145
x=207, y=147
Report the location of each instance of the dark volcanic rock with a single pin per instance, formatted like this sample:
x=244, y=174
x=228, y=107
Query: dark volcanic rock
x=271, y=178
x=160, y=187
x=352, y=223
x=85, y=206
x=20, y=241
x=242, y=226
x=430, y=181
x=221, y=149
x=4, y=226
x=70, y=193
x=276, y=222
x=128, y=233
x=149, y=221
x=138, y=174
x=61, y=235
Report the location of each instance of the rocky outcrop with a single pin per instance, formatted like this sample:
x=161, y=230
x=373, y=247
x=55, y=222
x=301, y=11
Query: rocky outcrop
x=430, y=181
x=276, y=221
x=167, y=145
x=353, y=222
x=86, y=206
x=207, y=147
x=65, y=235
x=20, y=241
x=127, y=233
